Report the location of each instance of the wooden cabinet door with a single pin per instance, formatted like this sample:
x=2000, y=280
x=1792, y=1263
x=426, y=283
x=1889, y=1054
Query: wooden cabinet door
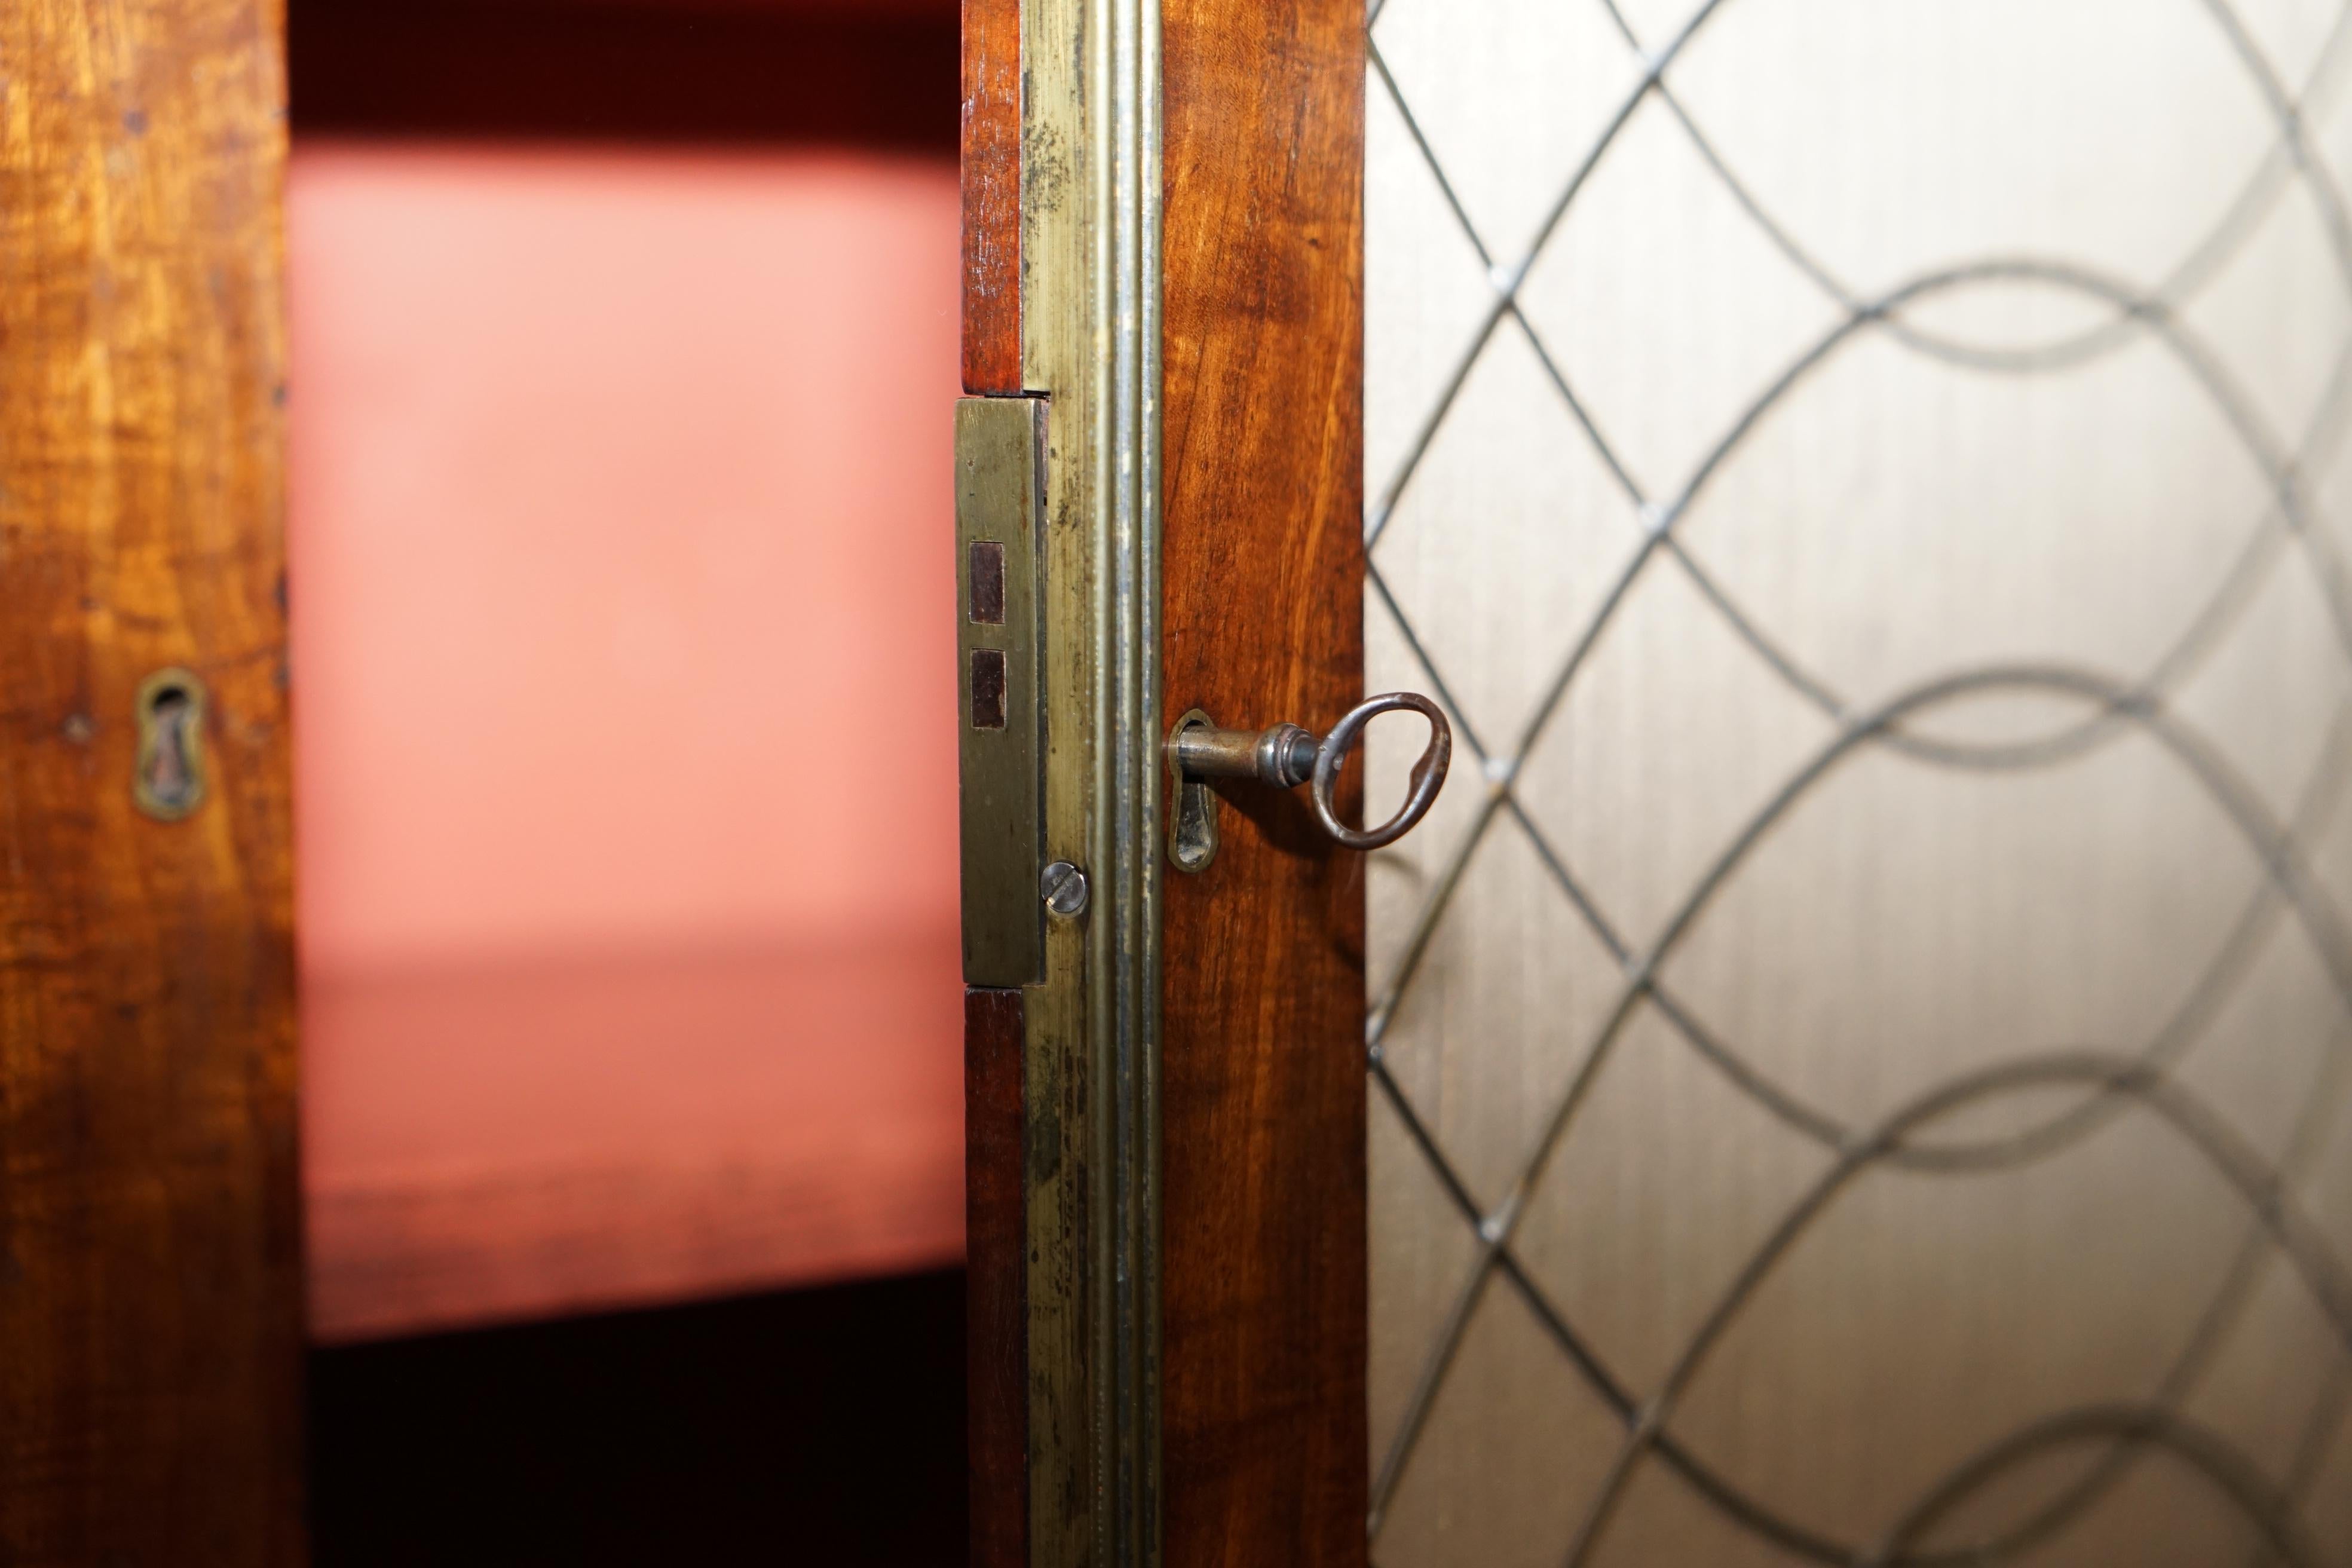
x=1166, y=1091
x=150, y=1249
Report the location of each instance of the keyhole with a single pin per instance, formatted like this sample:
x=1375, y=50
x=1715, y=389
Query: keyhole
x=169, y=782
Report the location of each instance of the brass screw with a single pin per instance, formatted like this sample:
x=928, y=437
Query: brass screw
x=1064, y=890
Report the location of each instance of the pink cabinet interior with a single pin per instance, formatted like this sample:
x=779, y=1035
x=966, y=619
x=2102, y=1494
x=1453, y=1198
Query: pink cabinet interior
x=623, y=671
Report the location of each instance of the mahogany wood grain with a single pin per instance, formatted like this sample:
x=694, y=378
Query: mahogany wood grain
x=150, y=1269
x=995, y=1292
x=992, y=196
x=1263, y=1079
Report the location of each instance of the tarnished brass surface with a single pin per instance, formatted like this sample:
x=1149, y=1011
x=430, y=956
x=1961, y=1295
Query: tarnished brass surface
x=999, y=725
x=1193, y=811
x=1090, y=193
x=169, y=780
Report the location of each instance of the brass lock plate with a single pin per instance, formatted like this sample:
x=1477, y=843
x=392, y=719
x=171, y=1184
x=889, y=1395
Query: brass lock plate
x=1191, y=804
x=999, y=504
x=169, y=782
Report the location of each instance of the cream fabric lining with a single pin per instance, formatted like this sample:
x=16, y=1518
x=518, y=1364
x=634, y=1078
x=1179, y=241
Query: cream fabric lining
x=1861, y=1071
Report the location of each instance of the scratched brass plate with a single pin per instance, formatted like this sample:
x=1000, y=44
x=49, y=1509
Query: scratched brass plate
x=998, y=503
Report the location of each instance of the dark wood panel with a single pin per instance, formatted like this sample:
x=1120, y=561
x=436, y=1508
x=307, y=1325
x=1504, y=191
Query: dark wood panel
x=996, y=1231
x=991, y=195
x=1263, y=1087
x=149, y=1281
x=534, y=69
x=820, y=1428
x=936, y=10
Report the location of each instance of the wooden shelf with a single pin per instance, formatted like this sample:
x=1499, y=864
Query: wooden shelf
x=532, y=1139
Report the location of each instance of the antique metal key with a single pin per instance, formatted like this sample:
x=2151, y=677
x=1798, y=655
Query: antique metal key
x=1285, y=756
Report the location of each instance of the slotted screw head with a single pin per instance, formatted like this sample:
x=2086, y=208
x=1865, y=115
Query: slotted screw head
x=1064, y=888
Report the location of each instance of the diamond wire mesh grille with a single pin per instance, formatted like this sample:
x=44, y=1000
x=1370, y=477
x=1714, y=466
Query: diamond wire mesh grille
x=1593, y=977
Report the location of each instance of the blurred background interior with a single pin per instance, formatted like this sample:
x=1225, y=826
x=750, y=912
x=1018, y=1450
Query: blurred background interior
x=622, y=337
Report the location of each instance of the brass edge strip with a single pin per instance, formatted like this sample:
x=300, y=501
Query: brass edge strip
x=1090, y=325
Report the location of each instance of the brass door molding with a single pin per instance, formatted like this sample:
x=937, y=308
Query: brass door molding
x=1087, y=765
